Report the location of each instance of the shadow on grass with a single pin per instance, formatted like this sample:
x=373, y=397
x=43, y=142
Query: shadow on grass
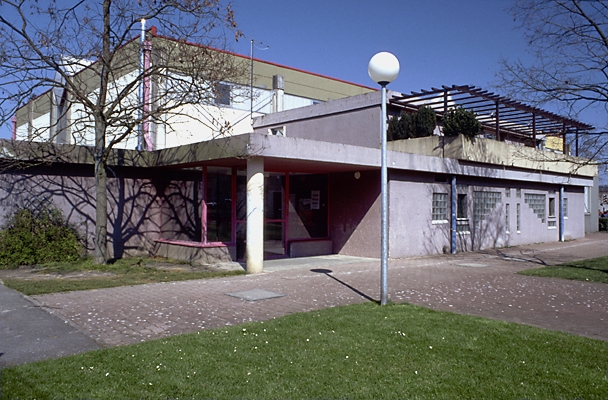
x=327, y=272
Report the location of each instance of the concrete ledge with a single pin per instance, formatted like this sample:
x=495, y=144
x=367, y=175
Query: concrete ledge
x=308, y=248
x=195, y=253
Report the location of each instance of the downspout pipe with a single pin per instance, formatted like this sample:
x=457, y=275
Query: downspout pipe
x=562, y=228
x=140, y=109
x=14, y=133
x=453, y=214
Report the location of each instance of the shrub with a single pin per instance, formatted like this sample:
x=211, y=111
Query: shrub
x=460, y=121
x=400, y=127
x=426, y=121
x=412, y=125
x=604, y=224
x=33, y=237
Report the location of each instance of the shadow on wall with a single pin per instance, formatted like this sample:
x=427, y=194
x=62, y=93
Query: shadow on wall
x=131, y=201
x=488, y=232
x=180, y=207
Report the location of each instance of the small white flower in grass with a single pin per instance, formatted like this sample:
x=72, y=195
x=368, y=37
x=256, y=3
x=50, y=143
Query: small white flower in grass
x=346, y=356
x=307, y=340
x=107, y=373
x=431, y=347
x=416, y=372
x=150, y=383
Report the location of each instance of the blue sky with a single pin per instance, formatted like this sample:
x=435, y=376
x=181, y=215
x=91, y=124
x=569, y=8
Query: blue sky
x=437, y=42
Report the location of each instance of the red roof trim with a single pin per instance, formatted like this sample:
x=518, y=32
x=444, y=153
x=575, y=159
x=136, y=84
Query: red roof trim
x=264, y=62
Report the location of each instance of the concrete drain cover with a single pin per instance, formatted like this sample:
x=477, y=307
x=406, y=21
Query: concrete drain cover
x=473, y=265
x=256, y=294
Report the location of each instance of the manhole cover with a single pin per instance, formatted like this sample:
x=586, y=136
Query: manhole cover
x=473, y=265
x=256, y=294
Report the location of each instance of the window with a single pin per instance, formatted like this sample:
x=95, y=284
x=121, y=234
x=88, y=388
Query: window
x=222, y=94
x=565, y=207
x=518, y=193
x=507, y=223
x=552, y=224
x=551, y=207
x=484, y=203
x=440, y=207
x=278, y=131
x=518, y=217
x=462, y=220
x=537, y=204
x=508, y=192
x=461, y=206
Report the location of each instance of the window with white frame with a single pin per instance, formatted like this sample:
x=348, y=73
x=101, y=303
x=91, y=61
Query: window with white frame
x=551, y=207
x=565, y=207
x=518, y=217
x=508, y=192
x=537, y=203
x=518, y=193
x=462, y=216
x=483, y=204
x=440, y=207
x=507, y=221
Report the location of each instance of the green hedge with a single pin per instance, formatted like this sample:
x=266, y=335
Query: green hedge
x=35, y=237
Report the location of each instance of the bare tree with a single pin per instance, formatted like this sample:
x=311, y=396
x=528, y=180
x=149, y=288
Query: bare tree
x=86, y=60
x=569, y=42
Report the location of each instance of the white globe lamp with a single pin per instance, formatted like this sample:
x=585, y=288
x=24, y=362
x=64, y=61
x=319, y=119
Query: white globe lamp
x=383, y=68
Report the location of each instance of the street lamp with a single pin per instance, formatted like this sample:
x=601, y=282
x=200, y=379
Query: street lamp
x=383, y=68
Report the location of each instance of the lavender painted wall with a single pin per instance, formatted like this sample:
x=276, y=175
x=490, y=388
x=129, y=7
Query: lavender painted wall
x=355, y=213
x=132, y=203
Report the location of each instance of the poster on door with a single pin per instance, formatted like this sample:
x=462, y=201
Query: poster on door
x=315, y=199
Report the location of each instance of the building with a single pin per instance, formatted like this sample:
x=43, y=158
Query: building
x=298, y=174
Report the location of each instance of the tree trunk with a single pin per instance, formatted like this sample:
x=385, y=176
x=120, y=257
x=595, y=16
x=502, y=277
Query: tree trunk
x=101, y=196
x=101, y=175
x=101, y=212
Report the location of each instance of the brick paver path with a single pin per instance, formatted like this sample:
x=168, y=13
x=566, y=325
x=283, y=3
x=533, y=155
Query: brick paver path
x=481, y=283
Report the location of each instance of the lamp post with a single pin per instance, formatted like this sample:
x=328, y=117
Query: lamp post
x=383, y=68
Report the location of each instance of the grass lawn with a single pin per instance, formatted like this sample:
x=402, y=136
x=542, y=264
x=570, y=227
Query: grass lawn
x=127, y=271
x=360, y=352
x=594, y=270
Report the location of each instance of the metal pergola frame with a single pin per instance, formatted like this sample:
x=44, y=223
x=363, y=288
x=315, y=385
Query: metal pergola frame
x=507, y=119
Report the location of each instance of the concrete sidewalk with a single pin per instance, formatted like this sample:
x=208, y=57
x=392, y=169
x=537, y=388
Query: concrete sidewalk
x=479, y=283
x=30, y=333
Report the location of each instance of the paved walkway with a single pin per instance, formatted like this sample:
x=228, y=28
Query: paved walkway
x=480, y=283
x=30, y=333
